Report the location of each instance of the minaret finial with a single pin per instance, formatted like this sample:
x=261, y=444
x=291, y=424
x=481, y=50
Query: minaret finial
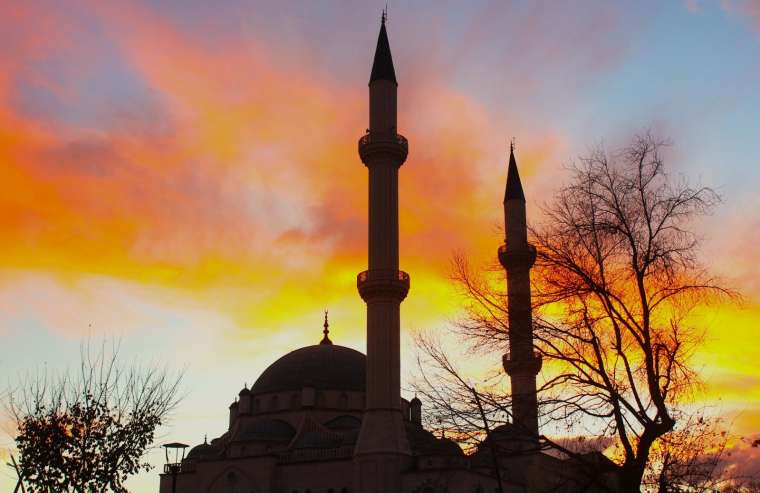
x=512, y=145
x=384, y=16
x=205, y=439
x=326, y=331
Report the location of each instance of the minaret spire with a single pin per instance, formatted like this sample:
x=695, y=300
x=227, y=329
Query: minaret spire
x=514, y=189
x=517, y=257
x=382, y=65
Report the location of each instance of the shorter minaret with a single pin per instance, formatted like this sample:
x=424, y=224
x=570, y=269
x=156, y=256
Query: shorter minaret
x=517, y=256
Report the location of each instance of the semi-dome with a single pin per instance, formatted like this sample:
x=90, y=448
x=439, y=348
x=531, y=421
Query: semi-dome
x=323, y=366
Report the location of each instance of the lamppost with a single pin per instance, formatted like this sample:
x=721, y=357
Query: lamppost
x=174, y=464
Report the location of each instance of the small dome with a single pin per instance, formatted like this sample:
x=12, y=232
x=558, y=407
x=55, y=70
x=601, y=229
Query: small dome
x=203, y=451
x=244, y=391
x=425, y=443
x=322, y=366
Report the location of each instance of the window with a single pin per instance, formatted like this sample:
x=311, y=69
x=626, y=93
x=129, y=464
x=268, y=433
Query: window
x=273, y=404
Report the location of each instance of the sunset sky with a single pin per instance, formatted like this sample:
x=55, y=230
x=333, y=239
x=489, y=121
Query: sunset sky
x=183, y=175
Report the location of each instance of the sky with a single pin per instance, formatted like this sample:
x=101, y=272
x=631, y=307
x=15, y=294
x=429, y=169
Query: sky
x=183, y=175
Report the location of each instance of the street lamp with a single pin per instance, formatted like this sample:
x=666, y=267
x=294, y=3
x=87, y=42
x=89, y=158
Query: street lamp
x=174, y=464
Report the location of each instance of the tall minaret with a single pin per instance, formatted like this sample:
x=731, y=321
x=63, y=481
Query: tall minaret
x=382, y=448
x=517, y=257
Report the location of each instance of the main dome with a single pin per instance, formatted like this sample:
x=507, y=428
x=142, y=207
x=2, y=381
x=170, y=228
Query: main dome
x=322, y=366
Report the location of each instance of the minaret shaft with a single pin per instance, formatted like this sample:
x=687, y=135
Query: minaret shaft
x=383, y=216
x=382, y=107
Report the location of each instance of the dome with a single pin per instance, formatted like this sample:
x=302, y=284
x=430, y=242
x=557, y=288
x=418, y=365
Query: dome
x=322, y=366
x=203, y=451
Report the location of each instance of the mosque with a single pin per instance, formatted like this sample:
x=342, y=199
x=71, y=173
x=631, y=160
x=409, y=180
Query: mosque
x=328, y=419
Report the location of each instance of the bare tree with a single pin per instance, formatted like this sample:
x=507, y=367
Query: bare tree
x=88, y=431
x=696, y=457
x=616, y=276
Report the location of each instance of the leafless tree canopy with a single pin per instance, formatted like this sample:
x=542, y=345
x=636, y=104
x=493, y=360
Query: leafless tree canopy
x=89, y=430
x=617, y=275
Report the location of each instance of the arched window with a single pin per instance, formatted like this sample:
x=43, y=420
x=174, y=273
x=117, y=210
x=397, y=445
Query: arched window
x=273, y=404
x=294, y=401
x=255, y=405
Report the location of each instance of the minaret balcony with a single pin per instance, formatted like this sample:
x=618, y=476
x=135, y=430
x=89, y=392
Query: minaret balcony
x=529, y=365
x=382, y=283
x=520, y=257
x=374, y=146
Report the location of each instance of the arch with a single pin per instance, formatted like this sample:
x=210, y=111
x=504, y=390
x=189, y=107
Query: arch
x=232, y=480
x=256, y=405
x=344, y=422
x=295, y=401
x=274, y=403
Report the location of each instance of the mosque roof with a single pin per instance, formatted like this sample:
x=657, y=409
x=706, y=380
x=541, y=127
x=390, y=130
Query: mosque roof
x=266, y=430
x=322, y=366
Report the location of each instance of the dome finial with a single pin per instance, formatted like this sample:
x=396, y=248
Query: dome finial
x=205, y=439
x=326, y=331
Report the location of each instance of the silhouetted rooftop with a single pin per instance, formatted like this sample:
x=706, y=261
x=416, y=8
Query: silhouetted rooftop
x=382, y=66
